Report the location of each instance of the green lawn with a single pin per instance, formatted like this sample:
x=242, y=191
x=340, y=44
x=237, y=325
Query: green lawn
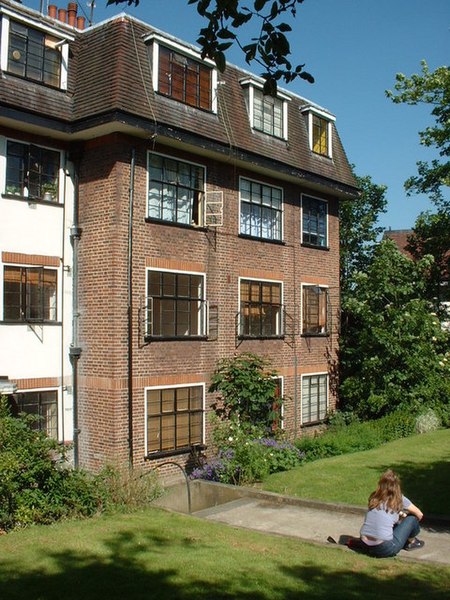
x=423, y=462
x=156, y=555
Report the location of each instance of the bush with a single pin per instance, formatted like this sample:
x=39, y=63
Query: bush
x=244, y=454
x=37, y=484
x=357, y=436
x=427, y=421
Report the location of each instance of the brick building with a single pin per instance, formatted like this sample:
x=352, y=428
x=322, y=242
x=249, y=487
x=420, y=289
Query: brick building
x=190, y=218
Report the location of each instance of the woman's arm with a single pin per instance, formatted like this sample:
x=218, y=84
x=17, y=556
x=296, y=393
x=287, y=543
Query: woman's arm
x=414, y=510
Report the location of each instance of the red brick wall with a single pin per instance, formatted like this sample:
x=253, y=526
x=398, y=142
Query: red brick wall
x=220, y=253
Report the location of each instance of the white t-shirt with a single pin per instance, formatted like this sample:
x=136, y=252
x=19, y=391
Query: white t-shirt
x=379, y=523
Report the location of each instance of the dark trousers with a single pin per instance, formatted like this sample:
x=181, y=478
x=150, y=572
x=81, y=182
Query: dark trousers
x=407, y=529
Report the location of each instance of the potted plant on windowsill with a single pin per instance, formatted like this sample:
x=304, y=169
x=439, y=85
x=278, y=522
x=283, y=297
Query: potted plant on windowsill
x=13, y=190
x=49, y=191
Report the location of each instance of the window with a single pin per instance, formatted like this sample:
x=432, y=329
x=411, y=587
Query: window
x=174, y=418
x=314, y=310
x=184, y=79
x=314, y=398
x=261, y=210
x=34, y=54
x=176, y=305
x=175, y=190
x=32, y=171
x=266, y=113
x=43, y=405
x=314, y=221
x=320, y=128
x=29, y=294
x=320, y=135
x=260, y=309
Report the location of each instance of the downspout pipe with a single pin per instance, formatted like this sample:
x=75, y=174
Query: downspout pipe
x=130, y=307
x=75, y=350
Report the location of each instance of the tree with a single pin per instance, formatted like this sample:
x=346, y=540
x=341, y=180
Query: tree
x=394, y=352
x=358, y=228
x=270, y=49
x=247, y=386
x=431, y=88
x=431, y=236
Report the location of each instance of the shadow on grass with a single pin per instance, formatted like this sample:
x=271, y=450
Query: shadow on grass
x=130, y=569
x=427, y=485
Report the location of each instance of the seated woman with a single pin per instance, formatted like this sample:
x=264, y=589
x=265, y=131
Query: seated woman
x=384, y=533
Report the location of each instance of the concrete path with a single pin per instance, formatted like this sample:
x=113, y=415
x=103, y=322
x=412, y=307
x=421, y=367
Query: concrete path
x=315, y=522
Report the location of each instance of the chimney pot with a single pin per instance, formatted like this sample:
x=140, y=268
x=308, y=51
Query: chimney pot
x=62, y=15
x=81, y=22
x=52, y=11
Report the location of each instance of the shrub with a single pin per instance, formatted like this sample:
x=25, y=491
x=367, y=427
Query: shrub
x=427, y=421
x=37, y=484
x=357, y=436
x=244, y=454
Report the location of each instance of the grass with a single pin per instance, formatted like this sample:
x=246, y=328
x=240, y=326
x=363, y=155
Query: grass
x=159, y=555
x=422, y=461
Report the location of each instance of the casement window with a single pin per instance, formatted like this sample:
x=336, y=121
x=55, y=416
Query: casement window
x=266, y=113
x=174, y=418
x=261, y=309
x=176, y=305
x=176, y=190
x=320, y=129
x=314, y=222
x=261, y=210
x=29, y=294
x=314, y=310
x=32, y=171
x=34, y=54
x=43, y=405
x=314, y=398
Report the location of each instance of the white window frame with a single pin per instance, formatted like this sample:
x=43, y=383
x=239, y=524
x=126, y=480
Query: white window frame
x=201, y=201
x=203, y=322
x=327, y=325
x=155, y=39
x=201, y=385
x=327, y=240
x=8, y=14
x=281, y=380
x=3, y=162
x=327, y=393
x=250, y=85
x=280, y=321
x=59, y=416
x=275, y=187
x=310, y=111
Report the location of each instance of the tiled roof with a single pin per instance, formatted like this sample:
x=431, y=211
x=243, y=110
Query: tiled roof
x=110, y=80
x=400, y=239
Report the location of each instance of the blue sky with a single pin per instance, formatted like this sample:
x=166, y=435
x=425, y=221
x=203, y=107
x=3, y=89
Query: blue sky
x=354, y=48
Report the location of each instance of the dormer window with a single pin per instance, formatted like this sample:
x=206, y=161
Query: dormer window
x=266, y=113
x=37, y=54
x=179, y=73
x=319, y=125
x=34, y=54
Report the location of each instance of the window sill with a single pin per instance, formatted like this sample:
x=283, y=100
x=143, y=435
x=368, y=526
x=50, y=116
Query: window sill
x=260, y=337
x=31, y=200
x=177, y=452
x=256, y=238
x=314, y=423
x=193, y=227
x=316, y=335
x=31, y=323
x=175, y=338
x=315, y=246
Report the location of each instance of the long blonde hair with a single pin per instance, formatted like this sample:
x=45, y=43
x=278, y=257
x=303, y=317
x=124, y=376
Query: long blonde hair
x=388, y=494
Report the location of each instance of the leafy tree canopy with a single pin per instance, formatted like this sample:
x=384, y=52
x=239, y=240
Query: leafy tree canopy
x=358, y=228
x=394, y=353
x=431, y=88
x=270, y=49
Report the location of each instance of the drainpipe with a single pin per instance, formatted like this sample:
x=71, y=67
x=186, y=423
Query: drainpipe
x=130, y=308
x=75, y=350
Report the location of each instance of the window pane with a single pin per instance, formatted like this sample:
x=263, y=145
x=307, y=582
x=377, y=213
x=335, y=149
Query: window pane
x=177, y=428
x=260, y=313
x=260, y=210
